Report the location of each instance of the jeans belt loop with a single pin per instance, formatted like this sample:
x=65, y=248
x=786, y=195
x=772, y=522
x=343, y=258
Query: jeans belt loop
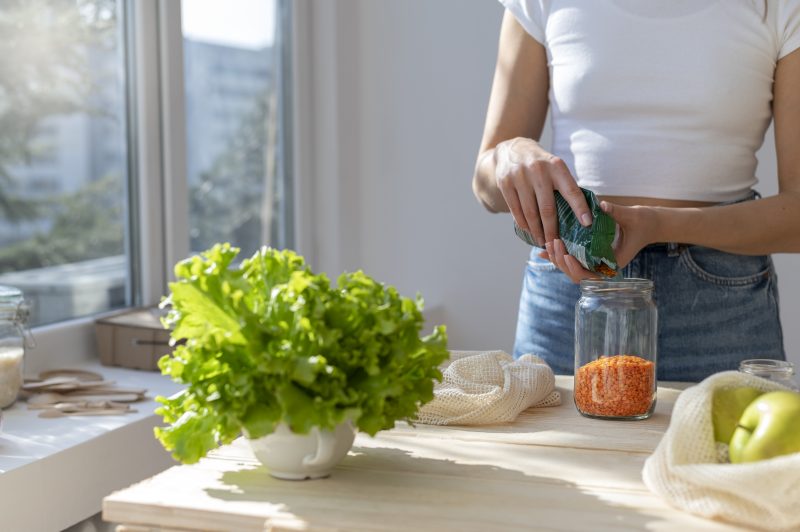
x=673, y=249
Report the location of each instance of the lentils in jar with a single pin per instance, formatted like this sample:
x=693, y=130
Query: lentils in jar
x=620, y=386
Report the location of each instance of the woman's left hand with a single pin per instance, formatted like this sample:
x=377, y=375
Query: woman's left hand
x=637, y=228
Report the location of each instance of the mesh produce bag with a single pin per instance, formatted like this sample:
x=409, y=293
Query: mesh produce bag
x=592, y=246
x=488, y=387
x=688, y=470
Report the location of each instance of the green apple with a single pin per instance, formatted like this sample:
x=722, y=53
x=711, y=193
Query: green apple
x=726, y=408
x=769, y=426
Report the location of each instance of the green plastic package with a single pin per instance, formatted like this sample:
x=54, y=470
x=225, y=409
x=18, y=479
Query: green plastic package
x=592, y=246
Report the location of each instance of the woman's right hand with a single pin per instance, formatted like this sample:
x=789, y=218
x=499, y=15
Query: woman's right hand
x=527, y=176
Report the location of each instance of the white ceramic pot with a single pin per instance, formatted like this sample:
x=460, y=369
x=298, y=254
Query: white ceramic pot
x=293, y=456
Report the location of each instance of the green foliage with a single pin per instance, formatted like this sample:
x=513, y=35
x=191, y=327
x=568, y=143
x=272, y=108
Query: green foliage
x=271, y=342
x=87, y=225
x=236, y=195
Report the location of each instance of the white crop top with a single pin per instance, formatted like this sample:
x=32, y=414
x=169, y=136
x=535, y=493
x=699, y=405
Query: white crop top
x=661, y=98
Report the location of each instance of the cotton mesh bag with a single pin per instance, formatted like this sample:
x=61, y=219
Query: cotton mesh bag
x=690, y=473
x=488, y=387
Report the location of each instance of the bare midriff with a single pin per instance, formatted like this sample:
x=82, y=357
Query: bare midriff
x=654, y=202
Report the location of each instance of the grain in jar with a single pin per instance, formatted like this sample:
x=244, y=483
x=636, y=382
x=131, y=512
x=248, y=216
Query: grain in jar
x=620, y=386
x=13, y=315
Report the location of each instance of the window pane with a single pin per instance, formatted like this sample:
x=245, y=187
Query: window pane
x=232, y=76
x=63, y=156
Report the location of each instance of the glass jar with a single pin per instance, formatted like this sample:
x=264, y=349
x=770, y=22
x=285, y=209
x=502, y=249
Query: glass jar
x=13, y=315
x=779, y=371
x=615, y=349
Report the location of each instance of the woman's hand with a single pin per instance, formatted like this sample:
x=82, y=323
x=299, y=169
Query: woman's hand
x=637, y=227
x=527, y=176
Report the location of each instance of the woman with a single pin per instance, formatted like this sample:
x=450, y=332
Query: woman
x=658, y=106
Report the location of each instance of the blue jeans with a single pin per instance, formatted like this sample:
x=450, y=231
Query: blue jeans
x=715, y=309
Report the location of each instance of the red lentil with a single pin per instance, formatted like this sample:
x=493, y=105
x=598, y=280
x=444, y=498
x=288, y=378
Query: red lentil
x=604, y=270
x=615, y=386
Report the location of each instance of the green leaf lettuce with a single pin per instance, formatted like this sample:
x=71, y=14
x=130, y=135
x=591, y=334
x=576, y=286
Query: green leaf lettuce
x=270, y=342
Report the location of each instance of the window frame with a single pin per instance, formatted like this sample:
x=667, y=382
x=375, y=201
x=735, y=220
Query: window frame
x=159, y=221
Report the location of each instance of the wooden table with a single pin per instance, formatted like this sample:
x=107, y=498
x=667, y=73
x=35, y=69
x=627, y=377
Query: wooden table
x=549, y=470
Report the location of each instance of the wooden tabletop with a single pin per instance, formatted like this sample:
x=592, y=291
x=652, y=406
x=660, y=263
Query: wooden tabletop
x=551, y=469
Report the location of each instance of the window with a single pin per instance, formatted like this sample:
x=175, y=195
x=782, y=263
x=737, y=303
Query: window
x=63, y=156
x=231, y=75
x=131, y=134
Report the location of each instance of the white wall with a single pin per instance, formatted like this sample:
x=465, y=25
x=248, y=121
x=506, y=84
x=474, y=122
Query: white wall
x=392, y=187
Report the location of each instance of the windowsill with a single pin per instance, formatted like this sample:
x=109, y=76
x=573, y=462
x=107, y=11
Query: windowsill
x=55, y=472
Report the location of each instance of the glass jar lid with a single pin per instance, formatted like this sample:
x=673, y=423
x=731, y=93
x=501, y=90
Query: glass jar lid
x=12, y=304
x=9, y=293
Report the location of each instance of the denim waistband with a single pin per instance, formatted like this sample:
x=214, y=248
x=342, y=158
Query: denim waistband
x=675, y=248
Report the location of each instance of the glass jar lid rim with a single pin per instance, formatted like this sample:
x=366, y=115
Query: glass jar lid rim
x=9, y=292
x=766, y=364
x=627, y=284
x=12, y=304
x=10, y=296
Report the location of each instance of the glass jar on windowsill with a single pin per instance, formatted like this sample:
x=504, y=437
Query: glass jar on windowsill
x=13, y=316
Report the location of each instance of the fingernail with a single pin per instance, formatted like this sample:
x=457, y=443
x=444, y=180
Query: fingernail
x=586, y=219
